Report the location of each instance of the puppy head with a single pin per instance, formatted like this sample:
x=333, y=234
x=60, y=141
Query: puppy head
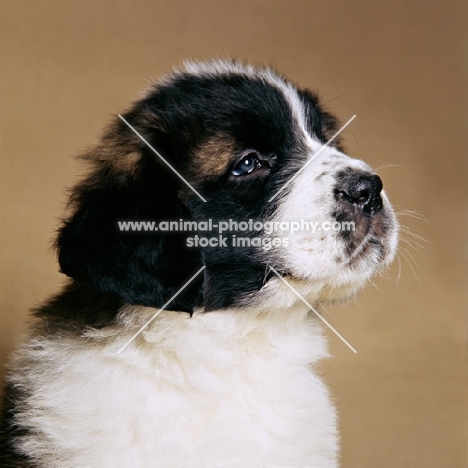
x=239, y=144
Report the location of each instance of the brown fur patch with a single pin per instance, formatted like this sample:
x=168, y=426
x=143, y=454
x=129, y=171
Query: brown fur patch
x=212, y=158
x=127, y=163
x=117, y=158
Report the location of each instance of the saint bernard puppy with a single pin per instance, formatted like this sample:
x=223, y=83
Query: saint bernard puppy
x=174, y=349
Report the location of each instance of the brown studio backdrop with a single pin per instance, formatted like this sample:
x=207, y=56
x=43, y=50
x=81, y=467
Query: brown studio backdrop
x=401, y=68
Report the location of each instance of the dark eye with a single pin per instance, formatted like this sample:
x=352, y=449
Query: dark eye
x=246, y=165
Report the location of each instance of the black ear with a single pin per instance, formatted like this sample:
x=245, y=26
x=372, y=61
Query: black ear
x=323, y=124
x=129, y=183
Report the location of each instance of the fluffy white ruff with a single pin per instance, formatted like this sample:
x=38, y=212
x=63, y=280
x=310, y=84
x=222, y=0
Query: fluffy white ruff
x=221, y=389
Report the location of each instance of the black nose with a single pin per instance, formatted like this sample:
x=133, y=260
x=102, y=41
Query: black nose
x=362, y=190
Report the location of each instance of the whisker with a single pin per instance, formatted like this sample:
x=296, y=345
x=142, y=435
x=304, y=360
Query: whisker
x=322, y=307
x=412, y=214
x=386, y=166
x=408, y=231
x=399, y=271
x=407, y=252
x=404, y=252
x=373, y=284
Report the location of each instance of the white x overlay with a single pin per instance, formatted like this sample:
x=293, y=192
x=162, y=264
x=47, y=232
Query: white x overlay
x=271, y=268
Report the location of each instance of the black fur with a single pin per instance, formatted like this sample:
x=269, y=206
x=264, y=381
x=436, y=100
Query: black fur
x=137, y=268
x=9, y=431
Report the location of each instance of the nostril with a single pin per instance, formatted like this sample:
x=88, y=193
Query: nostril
x=363, y=198
x=362, y=190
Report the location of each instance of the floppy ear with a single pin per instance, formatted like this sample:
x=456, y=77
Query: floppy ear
x=129, y=183
x=323, y=124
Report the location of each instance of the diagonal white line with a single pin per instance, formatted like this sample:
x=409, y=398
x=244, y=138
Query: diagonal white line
x=159, y=155
x=312, y=158
x=312, y=309
x=161, y=309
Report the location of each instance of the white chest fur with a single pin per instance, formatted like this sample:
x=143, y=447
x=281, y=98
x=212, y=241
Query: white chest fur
x=222, y=389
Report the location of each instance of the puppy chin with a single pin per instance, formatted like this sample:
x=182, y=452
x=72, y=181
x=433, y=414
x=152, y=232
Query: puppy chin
x=292, y=295
x=328, y=282
x=339, y=294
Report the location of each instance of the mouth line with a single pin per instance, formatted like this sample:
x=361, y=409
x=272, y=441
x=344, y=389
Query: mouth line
x=360, y=249
x=368, y=246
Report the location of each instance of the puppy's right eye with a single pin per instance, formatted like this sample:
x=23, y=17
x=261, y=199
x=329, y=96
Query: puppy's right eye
x=248, y=164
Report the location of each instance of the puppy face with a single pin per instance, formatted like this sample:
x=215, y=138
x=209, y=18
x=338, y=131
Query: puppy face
x=252, y=145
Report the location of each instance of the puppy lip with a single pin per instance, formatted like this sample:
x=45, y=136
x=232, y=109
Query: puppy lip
x=370, y=245
x=361, y=249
